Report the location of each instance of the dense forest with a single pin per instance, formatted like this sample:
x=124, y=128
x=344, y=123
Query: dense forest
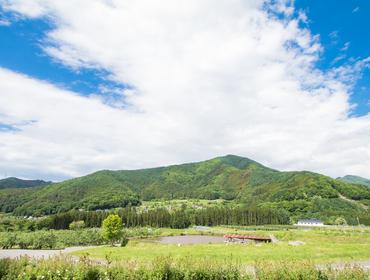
x=355, y=180
x=233, y=178
x=12, y=183
x=160, y=217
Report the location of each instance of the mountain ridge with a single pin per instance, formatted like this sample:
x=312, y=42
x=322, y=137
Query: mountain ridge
x=355, y=180
x=229, y=177
x=14, y=182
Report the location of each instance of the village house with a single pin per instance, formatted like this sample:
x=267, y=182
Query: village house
x=310, y=223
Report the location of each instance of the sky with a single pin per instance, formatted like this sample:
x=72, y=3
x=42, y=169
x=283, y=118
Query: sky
x=108, y=84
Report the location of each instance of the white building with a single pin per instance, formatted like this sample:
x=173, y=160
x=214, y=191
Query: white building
x=310, y=223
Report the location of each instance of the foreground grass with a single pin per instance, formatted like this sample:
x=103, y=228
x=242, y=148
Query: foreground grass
x=321, y=246
x=169, y=269
x=239, y=253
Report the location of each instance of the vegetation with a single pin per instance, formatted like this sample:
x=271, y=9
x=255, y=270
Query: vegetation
x=112, y=228
x=161, y=217
x=319, y=246
x=76, y=225
x=12, y=182
x=235, y=180
x=50, y=239
x=148, y=259
x=170, y=270
x=355, y=180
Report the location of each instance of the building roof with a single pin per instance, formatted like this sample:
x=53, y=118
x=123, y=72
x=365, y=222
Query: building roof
x=310, y=221
x=258, y=238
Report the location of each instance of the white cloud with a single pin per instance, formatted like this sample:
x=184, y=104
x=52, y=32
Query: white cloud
x=5, y=22
x=345, y=46
x=207, y=78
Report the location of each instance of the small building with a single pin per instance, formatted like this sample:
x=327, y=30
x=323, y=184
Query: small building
x=201, y=228
x=310, y=223
x=246, y=238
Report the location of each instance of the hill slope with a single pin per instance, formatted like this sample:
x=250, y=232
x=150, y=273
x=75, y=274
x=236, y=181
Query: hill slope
x=355, y=180
x=12, y=182
x=229, y=177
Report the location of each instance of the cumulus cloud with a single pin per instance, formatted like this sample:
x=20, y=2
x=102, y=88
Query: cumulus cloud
x=205, y=78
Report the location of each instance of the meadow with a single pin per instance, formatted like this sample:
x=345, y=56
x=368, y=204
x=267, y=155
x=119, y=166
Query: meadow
x=145, y=258
x=320, y=246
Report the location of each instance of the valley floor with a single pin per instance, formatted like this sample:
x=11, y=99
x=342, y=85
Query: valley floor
x=317, y=245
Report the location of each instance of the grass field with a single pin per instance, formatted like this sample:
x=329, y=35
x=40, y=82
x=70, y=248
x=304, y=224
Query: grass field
x=177, y=204
x=321, y=246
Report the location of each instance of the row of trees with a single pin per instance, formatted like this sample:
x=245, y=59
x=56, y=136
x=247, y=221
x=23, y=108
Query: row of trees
x=162, y=217
x=111, y=232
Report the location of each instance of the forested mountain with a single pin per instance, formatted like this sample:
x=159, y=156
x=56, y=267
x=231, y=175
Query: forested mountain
x=230, y=177
x=355, y=180
x=12, y=182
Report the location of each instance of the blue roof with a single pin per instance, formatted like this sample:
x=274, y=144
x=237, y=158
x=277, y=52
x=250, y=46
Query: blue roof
x=311, y=221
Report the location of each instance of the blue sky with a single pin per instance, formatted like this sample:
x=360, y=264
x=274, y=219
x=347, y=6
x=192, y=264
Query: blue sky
x=144, y=83
x=339, y=23
x=21, y=51
x=342, y=31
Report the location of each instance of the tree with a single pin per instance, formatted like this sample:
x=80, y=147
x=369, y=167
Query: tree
x=112, y=228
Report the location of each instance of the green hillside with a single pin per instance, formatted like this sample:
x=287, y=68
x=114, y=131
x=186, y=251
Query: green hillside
x=355, y=180
x=12, y=182
x=230, y=178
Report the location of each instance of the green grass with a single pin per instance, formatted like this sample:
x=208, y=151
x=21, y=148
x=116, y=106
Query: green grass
x=169, y=269
x=178, y=204
x=321, y=246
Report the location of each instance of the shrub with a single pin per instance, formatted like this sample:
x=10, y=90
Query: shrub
x=340, y=221
x=24, y=240
x=8, y=240
x=44, y=240
x=124, y=241
x=112, y=228
x=50, y=239
x=76, y=225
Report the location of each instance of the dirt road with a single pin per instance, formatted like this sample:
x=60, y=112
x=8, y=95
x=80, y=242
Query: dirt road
x=37, y=254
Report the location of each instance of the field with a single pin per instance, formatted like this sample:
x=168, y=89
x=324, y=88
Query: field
x=178, y=204
x=146, y=258
x=321, y=246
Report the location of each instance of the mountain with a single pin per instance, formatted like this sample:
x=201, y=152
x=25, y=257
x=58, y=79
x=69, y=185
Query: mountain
x=230, y=177
x=12, y=182
x=355, y=180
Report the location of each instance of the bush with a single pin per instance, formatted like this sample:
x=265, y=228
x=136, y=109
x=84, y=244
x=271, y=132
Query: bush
x=340, y=221
x=50, y=239
x=76, y=225
x=44, y=240
x=8, y=240
x=112, y=228
x=124, y=241
x=25, y=241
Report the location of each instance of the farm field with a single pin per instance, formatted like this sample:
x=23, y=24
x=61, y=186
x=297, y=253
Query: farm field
x=320, y=246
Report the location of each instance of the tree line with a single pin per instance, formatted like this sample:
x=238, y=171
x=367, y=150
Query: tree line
x=162, y=217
